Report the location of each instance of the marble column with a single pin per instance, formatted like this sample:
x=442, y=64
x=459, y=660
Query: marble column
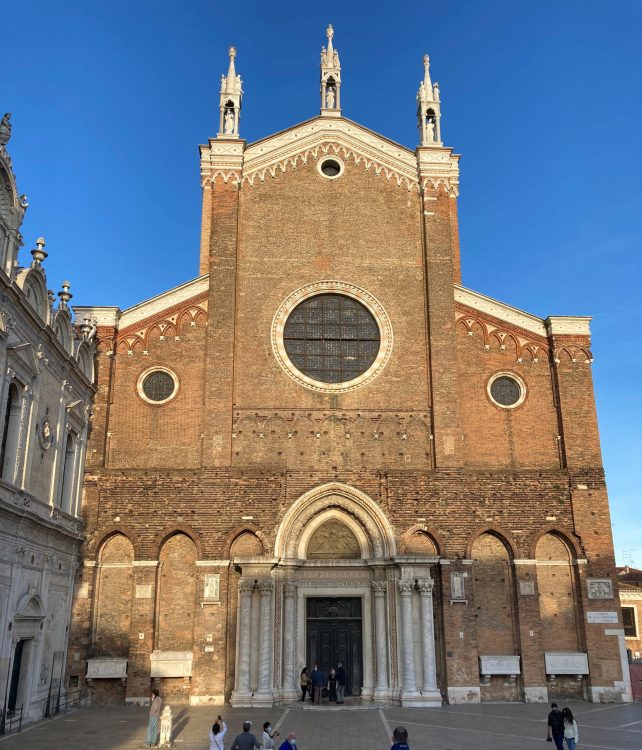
x=242, y=695
x=289, y=640
x=263, y=695
x=427, y=636
x=407, y=645
x=381, y=683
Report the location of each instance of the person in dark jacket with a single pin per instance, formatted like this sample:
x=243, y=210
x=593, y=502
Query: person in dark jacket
x=246, y=740
x=556, y=727
x=342, y=678
x=318, y=683
x=332, y=686
x=400, y=739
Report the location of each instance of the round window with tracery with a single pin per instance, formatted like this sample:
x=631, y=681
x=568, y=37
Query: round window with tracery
x=331, y=338
x=157, y=386
x=506, y=390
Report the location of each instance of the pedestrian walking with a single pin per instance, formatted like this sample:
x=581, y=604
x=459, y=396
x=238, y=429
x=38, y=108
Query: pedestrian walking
x=246, y=740
x=318, y=683
x=305, y=684
x=269, y=736
x=342, y=678
x=400, y=739
x=155, y=706
x=217, y=733
x=289, y=743
x=556, y=727
x=571, y=735
x=332, y=686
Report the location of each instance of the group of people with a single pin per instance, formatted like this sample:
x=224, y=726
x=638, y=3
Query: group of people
x=562, y=726
x=319, y=686
x=247, y=740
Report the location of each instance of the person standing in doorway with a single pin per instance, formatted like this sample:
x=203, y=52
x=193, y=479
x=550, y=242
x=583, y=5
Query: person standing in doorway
x=318, y=683
x=342, y=678
x=155, y=706
x=556, y=727
x=332, y=686
x=305, y=684
x=571, y=735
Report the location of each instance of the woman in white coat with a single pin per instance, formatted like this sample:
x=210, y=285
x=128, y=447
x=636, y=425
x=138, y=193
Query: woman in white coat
x=571, y=735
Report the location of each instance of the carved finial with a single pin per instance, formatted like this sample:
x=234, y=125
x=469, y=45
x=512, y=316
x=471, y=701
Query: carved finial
x=428, y=108
x=5, y=129
x=330, y=78
x=65, y=295
x=230, y=100
x=38, y=253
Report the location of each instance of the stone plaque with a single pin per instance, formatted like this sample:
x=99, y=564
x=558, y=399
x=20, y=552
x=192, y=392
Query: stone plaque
x=171, y=664
x=82, y=591
x=212, y=587
x=106, y=669
x=457, y=590
x=566, y=662
x=527, y=588
x=602, y=617
x=503, y=665
x=600, y=588
x=143, y=591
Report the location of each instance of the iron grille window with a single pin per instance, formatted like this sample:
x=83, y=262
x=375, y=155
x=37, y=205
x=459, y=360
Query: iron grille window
x=505, y=391
x=158, y=386
x=331, y=338
x=628, y=617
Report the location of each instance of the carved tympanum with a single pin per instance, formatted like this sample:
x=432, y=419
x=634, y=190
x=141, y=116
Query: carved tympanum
x=333, y=540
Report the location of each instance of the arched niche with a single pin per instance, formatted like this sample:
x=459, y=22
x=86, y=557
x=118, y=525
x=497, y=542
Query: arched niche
x=177, y=597
x=85, y=360
x=114, y=598
x=354, y=508
x=246, y=544
x=63, y=330
x=557, y=592
x=32, y=283
x=421, y=544
x=332, y=538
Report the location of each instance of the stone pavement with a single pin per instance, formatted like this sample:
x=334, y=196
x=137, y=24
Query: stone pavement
x=499, y=726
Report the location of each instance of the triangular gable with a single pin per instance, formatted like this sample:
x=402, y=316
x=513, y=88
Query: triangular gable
x=337, y=136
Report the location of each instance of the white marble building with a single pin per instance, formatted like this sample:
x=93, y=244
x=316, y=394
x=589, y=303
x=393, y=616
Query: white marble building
x=46, y=388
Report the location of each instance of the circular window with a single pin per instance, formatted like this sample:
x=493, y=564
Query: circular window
x=331, y=336
x=157, y=386
x=331, y=167
x=506, y=390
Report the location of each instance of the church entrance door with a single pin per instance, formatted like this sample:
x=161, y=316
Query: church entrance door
x=334, y=634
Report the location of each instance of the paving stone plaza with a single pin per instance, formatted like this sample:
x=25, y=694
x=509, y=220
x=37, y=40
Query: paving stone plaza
x=473, y=727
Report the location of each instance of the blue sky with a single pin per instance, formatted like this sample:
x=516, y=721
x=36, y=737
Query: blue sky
x=543, y=100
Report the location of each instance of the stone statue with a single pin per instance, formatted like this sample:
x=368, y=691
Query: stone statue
x=228, y=127
x=5, y=129
x=435, y=92
x=330, y=98
x=430, y=130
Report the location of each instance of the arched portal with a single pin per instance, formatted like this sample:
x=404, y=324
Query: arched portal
x=329, y=595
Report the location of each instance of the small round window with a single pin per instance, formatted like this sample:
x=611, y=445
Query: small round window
x=331, y=168
x=157, y=386
x=506, y=390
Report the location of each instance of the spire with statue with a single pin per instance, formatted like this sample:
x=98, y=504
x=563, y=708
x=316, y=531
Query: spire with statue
x=428, y=112
x=330, y=78
x=230, y=101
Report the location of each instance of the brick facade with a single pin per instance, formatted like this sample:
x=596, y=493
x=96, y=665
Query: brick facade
x=510, y=501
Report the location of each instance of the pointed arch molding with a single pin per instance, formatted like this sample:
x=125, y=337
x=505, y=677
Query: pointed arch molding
x=350, y=503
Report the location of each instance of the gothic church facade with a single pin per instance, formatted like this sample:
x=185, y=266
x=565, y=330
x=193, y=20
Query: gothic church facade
x=324, y=448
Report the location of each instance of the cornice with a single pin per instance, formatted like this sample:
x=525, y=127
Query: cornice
x=162, y=303
x=330, y=135
x=500, y=312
